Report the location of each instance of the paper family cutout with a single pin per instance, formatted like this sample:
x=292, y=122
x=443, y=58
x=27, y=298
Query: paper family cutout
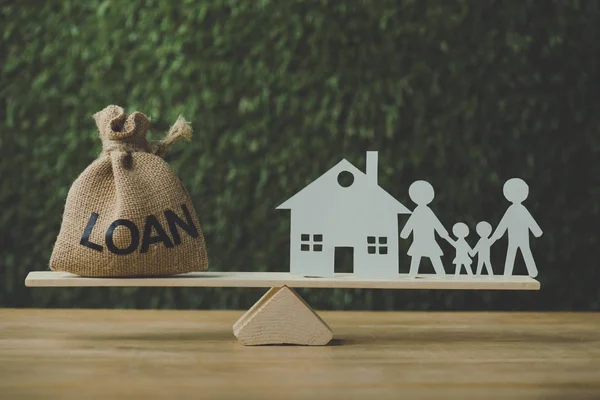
x=345, y=207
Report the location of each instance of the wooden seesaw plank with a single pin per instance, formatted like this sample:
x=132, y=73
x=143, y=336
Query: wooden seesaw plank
x=279, y=279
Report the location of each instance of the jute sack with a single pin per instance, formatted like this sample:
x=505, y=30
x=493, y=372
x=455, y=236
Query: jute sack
x=128, y=214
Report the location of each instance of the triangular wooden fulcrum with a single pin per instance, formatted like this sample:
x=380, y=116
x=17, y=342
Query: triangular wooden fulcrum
x=281, y=316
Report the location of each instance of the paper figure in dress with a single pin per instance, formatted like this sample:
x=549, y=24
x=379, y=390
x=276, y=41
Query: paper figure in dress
x=517, y=221
x=423, y=224
x=462, y=259
x=482, y=248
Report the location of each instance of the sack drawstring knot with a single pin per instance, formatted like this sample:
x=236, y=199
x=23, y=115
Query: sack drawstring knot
x=120, y=132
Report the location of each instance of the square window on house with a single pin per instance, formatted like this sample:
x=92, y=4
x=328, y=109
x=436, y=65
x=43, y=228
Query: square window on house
x=370, y=239
x=382, y=240
x=305, y=237
x=318, y=238
x=305, y=247
x=383, y=249
x=371, y=249
x=318, y=247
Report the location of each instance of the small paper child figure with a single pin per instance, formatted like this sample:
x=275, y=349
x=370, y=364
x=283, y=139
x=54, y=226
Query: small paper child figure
x=482, y=248
x=461, y=231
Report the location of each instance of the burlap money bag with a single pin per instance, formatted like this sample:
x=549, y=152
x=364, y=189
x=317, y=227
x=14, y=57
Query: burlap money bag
x=128, y=214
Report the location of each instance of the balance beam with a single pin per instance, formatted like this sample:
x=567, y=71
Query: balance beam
x=281, y=316
x=280, y=279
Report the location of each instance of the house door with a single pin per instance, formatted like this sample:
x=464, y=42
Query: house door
x=344, y=260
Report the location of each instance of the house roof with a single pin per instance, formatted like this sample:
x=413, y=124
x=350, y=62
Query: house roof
x=322, y=186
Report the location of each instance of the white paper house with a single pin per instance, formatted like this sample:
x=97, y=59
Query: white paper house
x=329, y=213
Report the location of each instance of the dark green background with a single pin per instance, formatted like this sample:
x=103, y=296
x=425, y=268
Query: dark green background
x=464, y=94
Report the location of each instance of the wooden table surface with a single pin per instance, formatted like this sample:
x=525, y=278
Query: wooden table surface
x=146, y=354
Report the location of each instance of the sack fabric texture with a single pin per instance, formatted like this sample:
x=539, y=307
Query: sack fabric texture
x=128, y=214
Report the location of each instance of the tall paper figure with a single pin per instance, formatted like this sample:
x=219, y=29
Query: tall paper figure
x=423, y=224
x=518, y=222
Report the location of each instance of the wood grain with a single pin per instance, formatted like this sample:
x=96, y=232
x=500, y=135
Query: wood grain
x=148, y=354
x=281, y=316
x=278, y=279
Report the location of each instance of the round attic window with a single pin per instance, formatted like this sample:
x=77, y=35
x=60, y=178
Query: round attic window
x=345, y=179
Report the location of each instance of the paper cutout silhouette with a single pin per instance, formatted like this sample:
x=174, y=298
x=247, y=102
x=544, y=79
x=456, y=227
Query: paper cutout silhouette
x=423, y=224
x=482, y=248
x=462, y=259
x=345, y=207
x=517, y=221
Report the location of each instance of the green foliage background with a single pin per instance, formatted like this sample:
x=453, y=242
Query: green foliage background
x=465, y=94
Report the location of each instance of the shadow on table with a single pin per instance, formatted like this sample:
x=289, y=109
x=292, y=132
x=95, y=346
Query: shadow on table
x=351, y=340
x=212, y=336
x=452, y=336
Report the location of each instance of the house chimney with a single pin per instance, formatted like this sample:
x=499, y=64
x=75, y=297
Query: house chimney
x=372, y=166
